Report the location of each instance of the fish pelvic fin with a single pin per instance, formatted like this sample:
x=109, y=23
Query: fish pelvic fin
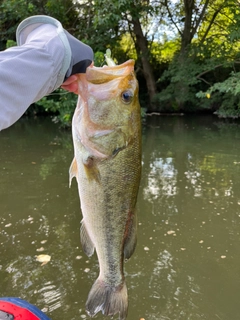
x=87, y=244
x=109, y=300
x=130, y=236
x=73, y=171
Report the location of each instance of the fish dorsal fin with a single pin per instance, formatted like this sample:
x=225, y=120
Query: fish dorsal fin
x=131, y=236
x=73, y=171
x=87, y=244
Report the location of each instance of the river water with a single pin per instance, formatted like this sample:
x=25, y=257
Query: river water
x=187, y=262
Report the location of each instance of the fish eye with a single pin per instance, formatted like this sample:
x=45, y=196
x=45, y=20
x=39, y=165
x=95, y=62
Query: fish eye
x=127, y=96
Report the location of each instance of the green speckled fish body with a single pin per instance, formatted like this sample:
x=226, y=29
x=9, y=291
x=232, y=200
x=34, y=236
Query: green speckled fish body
x=107, y=166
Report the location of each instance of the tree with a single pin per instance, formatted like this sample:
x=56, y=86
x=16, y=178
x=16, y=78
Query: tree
x=116, y=18
x=14, y=11
x=191, y=46
x=203, y=29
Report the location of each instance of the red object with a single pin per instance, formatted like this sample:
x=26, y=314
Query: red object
x=18, y=309
x=19, y=313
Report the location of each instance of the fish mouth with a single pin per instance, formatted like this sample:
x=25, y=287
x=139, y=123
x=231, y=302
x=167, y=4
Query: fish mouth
x=100, y=75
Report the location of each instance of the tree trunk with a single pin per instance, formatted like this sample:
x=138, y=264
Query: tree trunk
x=187, y=33
x=141, y=42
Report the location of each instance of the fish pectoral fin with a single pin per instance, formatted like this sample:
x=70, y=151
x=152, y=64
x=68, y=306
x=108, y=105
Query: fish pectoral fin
x=131, y=236
x=91, y=169
x=73, y=171
x=87, y=244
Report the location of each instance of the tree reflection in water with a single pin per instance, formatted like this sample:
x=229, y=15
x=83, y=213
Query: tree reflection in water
x=186, y=265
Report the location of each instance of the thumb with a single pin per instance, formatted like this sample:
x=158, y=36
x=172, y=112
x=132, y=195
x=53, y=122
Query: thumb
x=71, y=84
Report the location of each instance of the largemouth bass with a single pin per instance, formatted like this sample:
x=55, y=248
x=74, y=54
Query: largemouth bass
x=106, y=132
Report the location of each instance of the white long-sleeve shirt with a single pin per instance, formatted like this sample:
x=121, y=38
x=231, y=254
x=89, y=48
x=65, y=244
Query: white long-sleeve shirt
x=32, y=70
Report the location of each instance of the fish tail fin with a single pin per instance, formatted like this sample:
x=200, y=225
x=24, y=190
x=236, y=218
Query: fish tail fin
x=109, y=300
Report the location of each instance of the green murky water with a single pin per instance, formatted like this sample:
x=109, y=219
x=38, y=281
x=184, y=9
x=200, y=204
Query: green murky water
x=187, y=262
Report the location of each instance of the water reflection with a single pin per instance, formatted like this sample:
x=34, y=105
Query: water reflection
x=51, y=296
x=191, y=185
x=186, y=265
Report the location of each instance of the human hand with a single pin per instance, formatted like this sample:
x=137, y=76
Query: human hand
x=71, y=84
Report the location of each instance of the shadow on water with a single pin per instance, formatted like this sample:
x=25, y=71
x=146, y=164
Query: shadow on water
x=186, y=265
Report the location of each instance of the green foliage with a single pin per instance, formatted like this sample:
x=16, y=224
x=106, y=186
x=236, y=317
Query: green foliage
x=99, y=59
x=180, y=81
x=127, y=48
x=60, y=105
x=222, y=50
x=11, y=43
x=165, y=52
x=11, y=14
x=205, y=67
x=206, y=61
x=189, y=62
x=228, y=93
x=230, y=85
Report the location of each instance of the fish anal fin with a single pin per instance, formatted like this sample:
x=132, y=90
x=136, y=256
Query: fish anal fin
x=109, y=300
x=130, y=236
x=73, y=170
x=87, y=244
x=91, y=169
